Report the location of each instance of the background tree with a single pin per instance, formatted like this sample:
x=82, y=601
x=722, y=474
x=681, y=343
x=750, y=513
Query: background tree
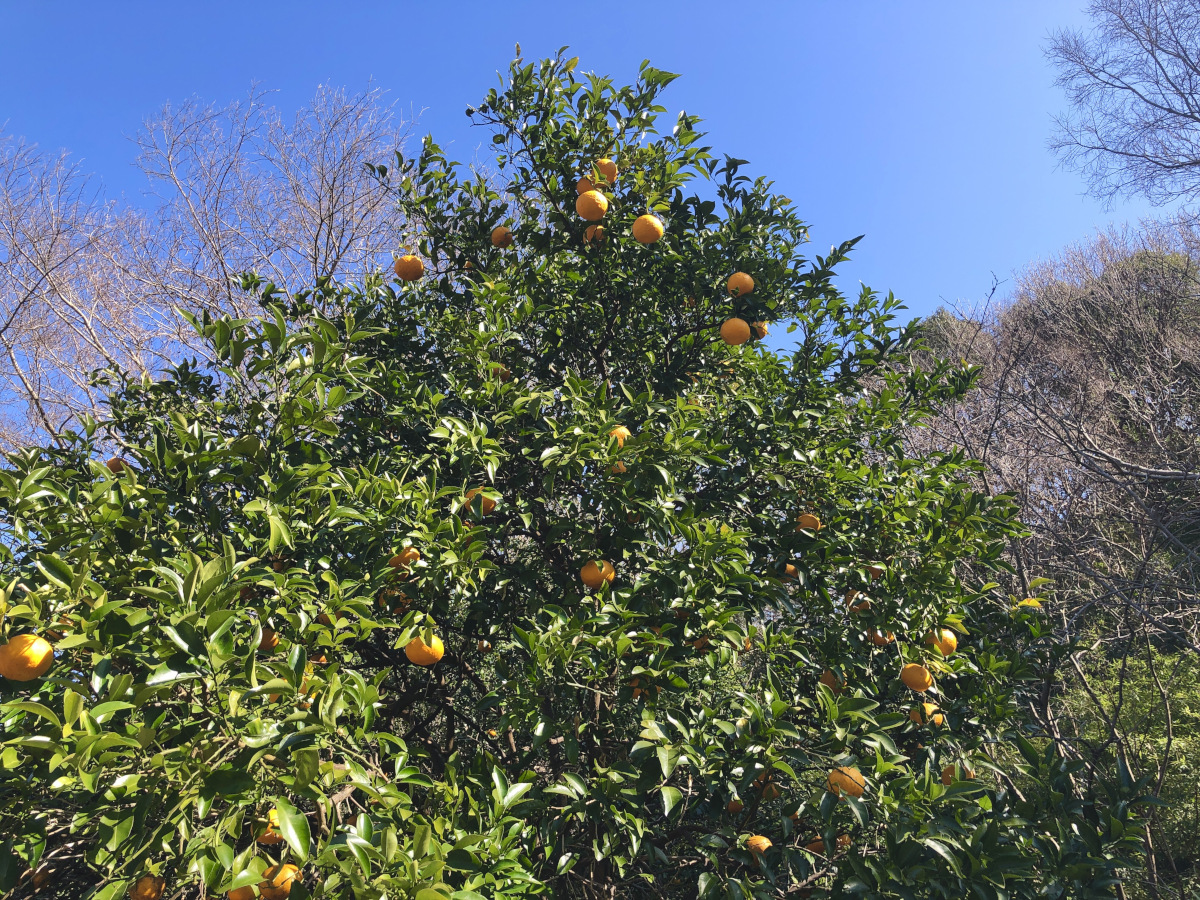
x=87, y=283
x=534, y=573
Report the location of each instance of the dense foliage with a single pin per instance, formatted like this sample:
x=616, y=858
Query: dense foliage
x=231, y=606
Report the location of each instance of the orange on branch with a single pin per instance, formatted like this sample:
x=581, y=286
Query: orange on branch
x=740, y=284
x=409, y=267
x=148, y=887
x=925, y=713
x=790, y=572
x=619, y=468
x=880, y=638
x=246, y=892
x=25, y=657
x=277, y=881
x=948, y=774
x=846, y=780
x=734, y=806
x=621, y=433
x=647, y=229
x=808, y=521
x=269, y=640
x=583, y=185
x=759, y=330
x=502, y=237
x=916, y=677
x=116, y=465
x=758, y=843
x=831, y=681
x=944, y=639
x=735, y=331
x=591, y=206
x=486, y=503
x=422, y=654
x=608, y=169
x=405, y=558
x=593, y=575
x=594, y=233
x=271, y=835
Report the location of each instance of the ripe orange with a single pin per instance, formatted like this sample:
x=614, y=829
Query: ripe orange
x=944, y=639
x=405, y=558
x=277, y=882
x=876, y=572
x=148, y=887
x=492, y=733
x=502, y=237
x=422, y=654
x=862, y=606
x=621, y=433
x=734, y=806
x=790, y=572
x=831, y=681
x=269, y=641
x=948, y=775
x=499, y=371
x=608, y=169
x=758, y=843
x=619, y=468
x=483, y=646
x=25, y=657
x=701, y=643
x=925, y=713
x=325, y=619
x=591, y=206
x=246, y=892
x=271, y=835
x=583, y=185
x=409, y=267
x=647, y=229
x=116, y=465
x=740, y=284
x=486, y=504
x=767, y=788
x=846, y=780
x=879, y=638
x=916, y=677
x=593, y=576
x=594, y=233
x=818, y=846
x=735, y=331
x=759, y=330
x=809, y=521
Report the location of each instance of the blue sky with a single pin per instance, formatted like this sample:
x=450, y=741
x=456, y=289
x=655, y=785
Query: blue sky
x=920, y=124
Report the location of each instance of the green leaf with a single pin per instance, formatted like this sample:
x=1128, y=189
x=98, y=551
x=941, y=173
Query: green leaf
x=671, y=798
x=293, y=825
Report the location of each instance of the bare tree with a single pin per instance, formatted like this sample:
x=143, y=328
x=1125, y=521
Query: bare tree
x=1133, y=83
x=85, y=283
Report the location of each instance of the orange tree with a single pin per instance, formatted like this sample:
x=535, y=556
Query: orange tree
x=533, y=572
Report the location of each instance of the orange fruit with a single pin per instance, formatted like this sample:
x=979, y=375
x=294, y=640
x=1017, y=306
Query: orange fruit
x=846, y=780
x=647, y=229
x=809, y=521
x=502, y=237
x=876, y=572
x=621, y=433
x=861, y=606
x=422, y=654
x=758, y=843
x=831, y=681
x=818, y=846
x=591, y=206
x=499, y=371
x=734, y=807
x=116, y=465
x=246, y=892
x=277, y=882
x=594, y=233
x=790, y=572
x=767, y=788
x=325, y=619
x=583, y=185
x=916, y=677
x=486, y=504
x=735, y=331
x=483, y=646
x=944, y=639
x=492, y=733
x=619, y=468
x=271, y=835
x=405, y=558
x=25, y=657
x=878, y=638
x=593, y=576
x=948, y=774
x=701, y=643
x=608, y=169
x=740, y=284
x=148, y=887
x=409, y=267
x=269, y=641
x=758, y=330
x=926, y=713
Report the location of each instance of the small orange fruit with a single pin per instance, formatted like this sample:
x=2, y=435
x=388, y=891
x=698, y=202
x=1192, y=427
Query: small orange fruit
x=594, y=233
x=701, y=643
x=734, y=806
x=808, y=521
x=593, y=576
x=740, y=284
x=499, y=371
x=148, y=887
x=325, y=619
x=405, y=558
x=790, y=572
x=916, y=677
x=277, y=882
x=647, y=229
x=246, y=892
x=422, y=654
x=591, y=206
x=116, y=465
x=759, y=330
x=619, y=468
x=486, y=504
x=583, y=185
x=502, y=237
x=862, y=606
x=608, y=169
x=926, y=713
x=25, y=657
x=269, y=640
x=492, y=733
x=879, y=638
x=948, y=775
x=831, y=681
x=483, y=646
x=409, y=267
x=758, y=843
x=846, y=780
x=621, y=433
x=735, y=331
x=271, y=835
x=876, y=572
x=944, y=639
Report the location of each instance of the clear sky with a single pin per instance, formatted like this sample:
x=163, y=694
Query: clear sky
x=921, y=124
